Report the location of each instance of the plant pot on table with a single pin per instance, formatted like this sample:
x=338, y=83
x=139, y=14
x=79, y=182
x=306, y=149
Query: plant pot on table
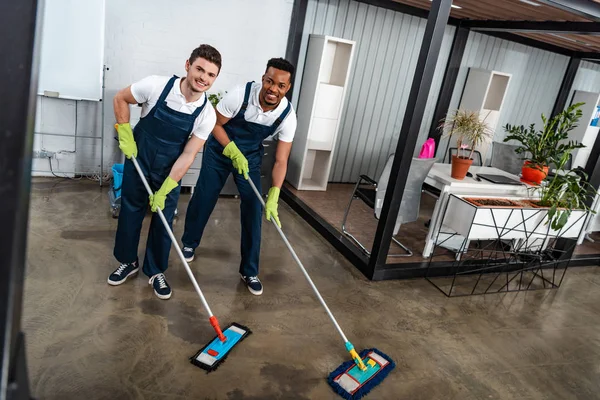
x=533, y=173
x=460, y=167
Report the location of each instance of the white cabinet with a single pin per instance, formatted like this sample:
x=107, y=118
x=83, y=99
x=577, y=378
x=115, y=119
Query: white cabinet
x=485, y=92
x=319, y=110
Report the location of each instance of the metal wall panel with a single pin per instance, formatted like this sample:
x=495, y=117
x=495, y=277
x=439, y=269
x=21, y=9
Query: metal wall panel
x=388, y=44
x=535, y=82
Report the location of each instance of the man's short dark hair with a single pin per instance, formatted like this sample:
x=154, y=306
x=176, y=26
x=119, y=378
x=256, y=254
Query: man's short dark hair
x=282, y=64
x=207, y=52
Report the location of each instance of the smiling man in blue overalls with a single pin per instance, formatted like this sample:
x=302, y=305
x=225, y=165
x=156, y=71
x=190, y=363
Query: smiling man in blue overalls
x=176, y=121
x=246, y=116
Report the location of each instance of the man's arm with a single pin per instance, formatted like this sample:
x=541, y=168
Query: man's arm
x=219, y=132
x=186, y=158
x=281, y=160
x=121, y=103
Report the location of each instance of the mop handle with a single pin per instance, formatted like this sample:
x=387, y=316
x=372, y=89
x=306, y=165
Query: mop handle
x=175, y=244
x=289, y=246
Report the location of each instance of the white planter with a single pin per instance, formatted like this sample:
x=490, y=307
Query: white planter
x=488, y=223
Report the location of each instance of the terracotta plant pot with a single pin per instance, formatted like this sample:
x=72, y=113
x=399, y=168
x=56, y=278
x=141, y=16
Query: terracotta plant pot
x=533, y=174
x=460, y=167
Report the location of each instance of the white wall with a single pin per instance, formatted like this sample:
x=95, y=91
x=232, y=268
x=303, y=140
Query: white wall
x=155, y=37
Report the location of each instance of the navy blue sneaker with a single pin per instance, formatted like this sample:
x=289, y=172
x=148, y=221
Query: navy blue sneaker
x=253, y=284
x=162, y=290
x=188, y=254
x=122, y=273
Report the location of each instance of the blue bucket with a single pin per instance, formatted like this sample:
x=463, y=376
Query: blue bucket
x=117, y=170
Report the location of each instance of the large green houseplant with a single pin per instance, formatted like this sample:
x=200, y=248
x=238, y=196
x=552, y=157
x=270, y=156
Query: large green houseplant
x=566, y=190
x=542, y=148
x=470, y=131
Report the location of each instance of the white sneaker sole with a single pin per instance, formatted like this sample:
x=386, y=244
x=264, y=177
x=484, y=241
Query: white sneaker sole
x=190, y=259
x=163, y=296
x=254, y=292
x=117, y=283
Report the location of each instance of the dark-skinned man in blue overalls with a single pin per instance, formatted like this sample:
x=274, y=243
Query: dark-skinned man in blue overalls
x=246, y=116
x=177, y=118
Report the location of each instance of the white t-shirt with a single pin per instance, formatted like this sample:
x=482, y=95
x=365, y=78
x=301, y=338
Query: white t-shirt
x=231, y=103
x=148, y=90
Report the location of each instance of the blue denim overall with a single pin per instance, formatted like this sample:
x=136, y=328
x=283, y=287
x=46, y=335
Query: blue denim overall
x=248, y=137
x=161, y=137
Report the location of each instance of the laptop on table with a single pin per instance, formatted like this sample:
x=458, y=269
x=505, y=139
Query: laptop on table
x=500, y=179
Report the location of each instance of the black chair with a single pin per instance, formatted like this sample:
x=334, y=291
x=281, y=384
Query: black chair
x=477, y=159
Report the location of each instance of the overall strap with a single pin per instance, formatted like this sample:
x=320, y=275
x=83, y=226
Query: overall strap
x=167, y=89
x=246, y=97
x=199, y=109
x=282, y=116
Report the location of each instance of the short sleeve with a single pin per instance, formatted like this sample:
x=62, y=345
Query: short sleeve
x=231, y=103
x=207, y=120
x=142, y=90
x=287, y=129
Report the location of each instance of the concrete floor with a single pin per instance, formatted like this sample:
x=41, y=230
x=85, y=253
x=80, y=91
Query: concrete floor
x=87, y=340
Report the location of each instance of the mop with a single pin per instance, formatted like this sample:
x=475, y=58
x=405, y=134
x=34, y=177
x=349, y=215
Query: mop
x=355, y=378
x=214, y=353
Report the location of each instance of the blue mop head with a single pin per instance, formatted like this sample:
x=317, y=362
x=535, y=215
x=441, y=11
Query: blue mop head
x=351, y=383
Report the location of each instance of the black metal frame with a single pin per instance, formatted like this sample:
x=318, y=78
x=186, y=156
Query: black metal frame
x=565, y=87
x=292, y=53
x=409, y=132
x=539, y=249
x=375, y=267
x=459, y=43
x=18, y=68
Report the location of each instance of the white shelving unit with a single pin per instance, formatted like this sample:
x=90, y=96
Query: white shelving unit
x=322, y=95
x=584, y=132
x=485, y=92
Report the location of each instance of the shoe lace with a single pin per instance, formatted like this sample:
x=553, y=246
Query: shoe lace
x=253, y=279
x=188, y=249
x=121, y=268
x=162, y=283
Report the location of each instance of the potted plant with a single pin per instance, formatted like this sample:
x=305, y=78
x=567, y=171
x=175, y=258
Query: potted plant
x=470, y=131
x=565, y=192
x=214, y=98
x=541, y=148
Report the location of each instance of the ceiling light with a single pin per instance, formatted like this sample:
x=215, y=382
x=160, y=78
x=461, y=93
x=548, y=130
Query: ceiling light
x=531, y=3
x=458, y=7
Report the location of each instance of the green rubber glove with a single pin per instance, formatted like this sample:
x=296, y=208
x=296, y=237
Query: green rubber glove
x=239, y=161
x=126, y=140
x=271, y=205
x=157, y=200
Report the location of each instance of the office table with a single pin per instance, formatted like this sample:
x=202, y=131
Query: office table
x=439, y=178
